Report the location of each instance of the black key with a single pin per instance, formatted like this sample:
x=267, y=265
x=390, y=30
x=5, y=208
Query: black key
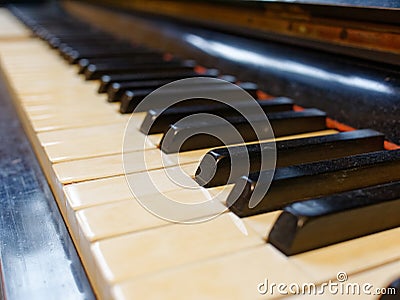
x=216, y=166
x=62, y=27
x=118, y=89
x=75, y=56
x=300, y=182
x=92, y=43
x=113, y=50
x=72, y=35
x=282, y=123
x=96, y=71
x=95, y=43
x=66, y=50
x=131, y=99
x=316, y=223
x=158, y=121
x=392, y=291
x=128, y=59
x=57, y=42
x=176, y=74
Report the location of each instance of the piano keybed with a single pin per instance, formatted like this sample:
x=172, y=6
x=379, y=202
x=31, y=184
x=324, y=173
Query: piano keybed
x=128, y=252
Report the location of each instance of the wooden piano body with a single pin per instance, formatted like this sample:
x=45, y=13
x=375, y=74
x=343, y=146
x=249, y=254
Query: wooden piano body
x=78, y=137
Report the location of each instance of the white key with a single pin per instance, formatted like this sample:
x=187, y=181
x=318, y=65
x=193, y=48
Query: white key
x=215, y=278
x=231, y=276
x=169, y=246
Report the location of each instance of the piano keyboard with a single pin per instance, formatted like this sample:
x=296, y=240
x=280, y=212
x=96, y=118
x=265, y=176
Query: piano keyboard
x=128, y=252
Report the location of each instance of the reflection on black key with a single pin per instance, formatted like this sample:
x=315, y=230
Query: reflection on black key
x=131, y=99
x=158, y=121
x=215, y=167
x=57, y=42
x=74, y=56
x=67, y=48
x=127, y=59
x=328, y=220
x=181, y=136
x=98, y=70
x=95, y=44
x=73, y=31
x=392, y=291
x=85, y=50
x=71, y=36
x=300, y=182
x=118, y=89
x=178, y=73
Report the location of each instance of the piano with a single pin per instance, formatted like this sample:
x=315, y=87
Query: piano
x=200, y=150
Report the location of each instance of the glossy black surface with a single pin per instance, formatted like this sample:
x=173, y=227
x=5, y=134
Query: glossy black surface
x=118, y=89
x=132, y=98
x=62, y=43
x=107, y=80
x=82, y=32
x=37, y=257
x=157, y=121
x=74, y=56
x=299, y=182
x=97, y=71
x=315, y=223
x=180, y=136
x=144, y=58
x=95, y=42
x=216, y=166
x=358, y=92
